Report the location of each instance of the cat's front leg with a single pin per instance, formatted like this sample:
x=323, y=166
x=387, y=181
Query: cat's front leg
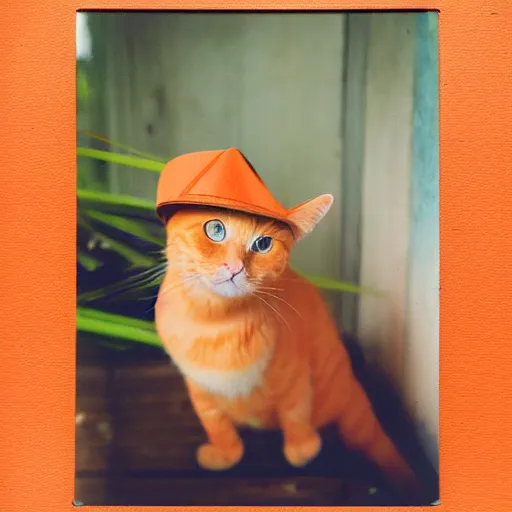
x=302, y=443
x=224, y=448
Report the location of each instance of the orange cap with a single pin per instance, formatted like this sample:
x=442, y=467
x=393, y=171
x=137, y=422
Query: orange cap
x=222, y=178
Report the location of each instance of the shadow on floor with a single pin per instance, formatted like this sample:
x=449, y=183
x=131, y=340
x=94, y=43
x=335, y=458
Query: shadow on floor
x=150, y=460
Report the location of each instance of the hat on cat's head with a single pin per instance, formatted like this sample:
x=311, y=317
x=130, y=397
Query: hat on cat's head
x=226, y=179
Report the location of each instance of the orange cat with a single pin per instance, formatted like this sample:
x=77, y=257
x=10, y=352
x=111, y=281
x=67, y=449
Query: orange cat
x=255, y=342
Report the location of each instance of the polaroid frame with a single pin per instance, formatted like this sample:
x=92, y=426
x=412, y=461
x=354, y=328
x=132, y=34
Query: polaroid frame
x=38, y=263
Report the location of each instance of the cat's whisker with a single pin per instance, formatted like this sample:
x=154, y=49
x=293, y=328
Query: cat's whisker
x=139, y=281
x=149, y=273
x=180, y=282
x=132, y=283
x=125, y=292
x=148, y=297
x=270, y=288
x=157, y=266
x=273, y=309
x=282, y=300
x=169, y=287
x=173, y=286
x=159, y=251
x=144, y=279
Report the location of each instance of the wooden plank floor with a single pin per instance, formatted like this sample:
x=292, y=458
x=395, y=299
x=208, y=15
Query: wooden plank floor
x=136, y=437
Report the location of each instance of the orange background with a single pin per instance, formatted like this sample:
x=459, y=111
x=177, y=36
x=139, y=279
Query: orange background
x=38, y=265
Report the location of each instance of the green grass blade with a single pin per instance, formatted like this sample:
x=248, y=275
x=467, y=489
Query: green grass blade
x=132, y=227
x=116, y=326
x=102, y=198
x=134, y=257
x=117, y=158
x=122, y=146
x=110, y=317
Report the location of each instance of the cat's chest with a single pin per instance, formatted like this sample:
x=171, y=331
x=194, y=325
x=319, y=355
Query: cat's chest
x=226, y=358
x=229, y=383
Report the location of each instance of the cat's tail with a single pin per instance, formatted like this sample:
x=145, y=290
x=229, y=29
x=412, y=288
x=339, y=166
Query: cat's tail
x=361, y=431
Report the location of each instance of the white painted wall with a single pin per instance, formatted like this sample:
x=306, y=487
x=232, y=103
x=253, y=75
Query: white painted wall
x=270, y=85
x=385, y=196
x=399, y=213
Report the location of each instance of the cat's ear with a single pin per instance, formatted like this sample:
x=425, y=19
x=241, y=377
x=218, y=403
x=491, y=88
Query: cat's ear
x=307, y=215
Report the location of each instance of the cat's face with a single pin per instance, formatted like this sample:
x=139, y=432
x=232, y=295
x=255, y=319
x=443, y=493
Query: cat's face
x=226, y=253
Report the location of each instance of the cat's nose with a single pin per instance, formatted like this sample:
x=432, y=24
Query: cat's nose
x=235, y=267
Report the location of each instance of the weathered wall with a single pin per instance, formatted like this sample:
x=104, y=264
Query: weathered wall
x=386, y=175
x=251, y=81
x=399, y=253
x=421, y=358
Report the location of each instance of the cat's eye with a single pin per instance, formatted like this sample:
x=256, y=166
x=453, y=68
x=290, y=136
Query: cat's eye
x=215, y=230
x=263, y=244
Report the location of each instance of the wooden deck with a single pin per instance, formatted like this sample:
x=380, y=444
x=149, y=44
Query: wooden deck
x=136, y=436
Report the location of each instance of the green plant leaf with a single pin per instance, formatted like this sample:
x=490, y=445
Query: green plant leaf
x=116, y=326
x=122, y=146
x=89, y=262
x=136, y=258
x=105, y=198
x=125, y=320
x=132, y=227
x=325, y=283
x=146, y=279
x=117, y=158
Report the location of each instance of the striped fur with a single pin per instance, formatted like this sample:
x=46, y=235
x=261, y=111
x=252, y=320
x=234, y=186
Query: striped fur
x=266, y=354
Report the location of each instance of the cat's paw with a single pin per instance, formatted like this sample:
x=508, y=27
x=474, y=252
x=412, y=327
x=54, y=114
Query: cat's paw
x=299, y=454
x=214, y=458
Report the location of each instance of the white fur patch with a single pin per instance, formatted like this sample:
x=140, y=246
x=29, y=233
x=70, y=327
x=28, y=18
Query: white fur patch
x=231, y=384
